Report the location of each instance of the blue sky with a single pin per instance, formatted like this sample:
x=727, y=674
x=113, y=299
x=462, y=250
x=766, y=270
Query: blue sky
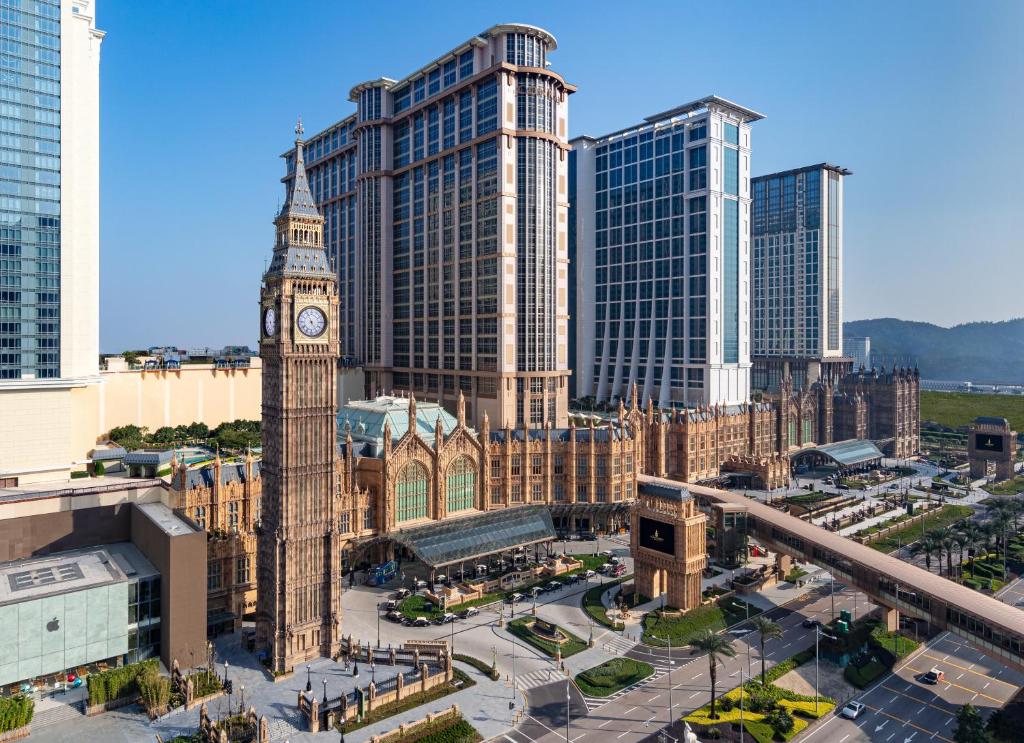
x=922, y=100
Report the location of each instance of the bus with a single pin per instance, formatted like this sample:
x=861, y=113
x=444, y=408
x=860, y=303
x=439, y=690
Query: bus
x=382, y=573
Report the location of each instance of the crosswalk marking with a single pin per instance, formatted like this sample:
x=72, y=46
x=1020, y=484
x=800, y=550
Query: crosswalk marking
x=533, y=679
x=619, y=646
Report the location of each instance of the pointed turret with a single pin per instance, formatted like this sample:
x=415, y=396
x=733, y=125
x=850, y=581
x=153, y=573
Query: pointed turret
x=438, y=433
x=461, y=410
x=299, y=249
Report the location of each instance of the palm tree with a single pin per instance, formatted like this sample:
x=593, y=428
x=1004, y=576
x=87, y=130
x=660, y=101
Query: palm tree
x=972, y=533
x=769, y=630
x=714, y=646
x=927, y=545
x=949, y=543
x=960, y=541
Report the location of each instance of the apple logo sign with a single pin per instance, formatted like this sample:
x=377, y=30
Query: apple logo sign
x=53, y=625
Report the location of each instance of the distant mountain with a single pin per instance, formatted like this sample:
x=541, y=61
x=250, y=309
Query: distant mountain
x=982, y=352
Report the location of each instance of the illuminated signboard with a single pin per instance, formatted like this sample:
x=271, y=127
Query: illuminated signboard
x=988, y=442
x=657, y=535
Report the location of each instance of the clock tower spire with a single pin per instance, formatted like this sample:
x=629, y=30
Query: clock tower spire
x=298, y=606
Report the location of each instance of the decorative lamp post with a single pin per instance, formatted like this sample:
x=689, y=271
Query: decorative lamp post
x=325, y=691
x=309, y=683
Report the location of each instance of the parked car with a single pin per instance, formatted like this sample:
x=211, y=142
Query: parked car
x=513, y=598
x=810, y=623
x=420, y=584
x=537, y=590
x=420, y=622
x=589, y=574
x=395, y=616
x=447, y=619
x=618, y=570
x=440, y=578
x=933, y=676
x=389, y=605
x=606, y=553
x=555, y=585
x=468, y=612
x=853, y=710
x=588, y=536
x=401, y=593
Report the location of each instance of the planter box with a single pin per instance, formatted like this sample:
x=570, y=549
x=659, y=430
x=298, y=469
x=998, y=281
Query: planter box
x=16, y=734
x=98, y=709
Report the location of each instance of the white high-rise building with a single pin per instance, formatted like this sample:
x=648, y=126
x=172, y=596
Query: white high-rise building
x=797, y=267
x=49, y=230
x=659, y=257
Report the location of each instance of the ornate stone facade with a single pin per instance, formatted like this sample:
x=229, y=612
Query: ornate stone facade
x=298, y=604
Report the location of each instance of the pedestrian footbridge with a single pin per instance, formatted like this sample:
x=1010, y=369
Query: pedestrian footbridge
x=994, y=627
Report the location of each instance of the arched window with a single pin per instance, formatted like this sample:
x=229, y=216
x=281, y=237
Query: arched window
x=461, y=485
x=411, y=493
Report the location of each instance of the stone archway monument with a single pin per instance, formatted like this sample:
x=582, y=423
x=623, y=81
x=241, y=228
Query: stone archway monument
x=991, y=440
x=667, y=540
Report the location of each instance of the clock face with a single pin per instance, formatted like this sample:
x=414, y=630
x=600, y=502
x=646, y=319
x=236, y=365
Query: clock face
x=270, y=322
x=312, y=322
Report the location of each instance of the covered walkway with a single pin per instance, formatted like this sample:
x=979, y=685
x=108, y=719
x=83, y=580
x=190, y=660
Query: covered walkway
x=994, y=627
x=848, y=456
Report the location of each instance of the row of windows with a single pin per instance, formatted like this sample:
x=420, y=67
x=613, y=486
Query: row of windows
x=434, y=82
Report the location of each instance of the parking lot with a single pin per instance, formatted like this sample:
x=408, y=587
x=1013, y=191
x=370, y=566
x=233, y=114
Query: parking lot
x=903, y=708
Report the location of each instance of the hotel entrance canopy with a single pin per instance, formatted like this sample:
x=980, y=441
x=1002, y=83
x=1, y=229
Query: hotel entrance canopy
x=852, y=453
x=457, y=540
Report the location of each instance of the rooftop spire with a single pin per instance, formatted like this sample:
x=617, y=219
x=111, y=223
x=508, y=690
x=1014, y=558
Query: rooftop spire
x=300, y=198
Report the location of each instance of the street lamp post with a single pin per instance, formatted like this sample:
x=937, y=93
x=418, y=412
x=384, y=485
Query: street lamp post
x=817, y=634
x=325, y=691
x=309, y=683
x=741, y=700
x=567, y=739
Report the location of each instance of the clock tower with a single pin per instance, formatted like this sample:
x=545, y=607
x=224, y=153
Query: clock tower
x=298, y=608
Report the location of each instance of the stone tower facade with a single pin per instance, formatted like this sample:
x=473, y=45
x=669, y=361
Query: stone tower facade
x=299, y=542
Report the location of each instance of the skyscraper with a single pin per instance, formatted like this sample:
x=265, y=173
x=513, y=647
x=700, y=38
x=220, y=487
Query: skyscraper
x=49, y=208
x=49, y=232
x=797, y=289
x=445, y=200
x=661, y=257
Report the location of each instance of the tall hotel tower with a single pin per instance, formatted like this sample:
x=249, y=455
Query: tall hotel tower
x=797, y=295
x=49, y=230
x=660, y=258
x=446, y=217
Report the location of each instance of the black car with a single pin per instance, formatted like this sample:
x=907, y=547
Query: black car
x=810, y=623
x=588, y=536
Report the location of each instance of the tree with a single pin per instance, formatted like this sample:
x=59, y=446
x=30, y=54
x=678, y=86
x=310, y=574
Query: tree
x=970, y=728
x=98, y=470
x=780, y=721
x=715, y=647
x=973, y=534
x=768, y=630
x=927, y=545
x=130, y=437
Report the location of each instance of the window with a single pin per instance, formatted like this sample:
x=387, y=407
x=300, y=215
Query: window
x=200, y=516
x=537, y=465
x=461, y=484
x=242, y=569
x=213, y=574
x=411, y=493
x=732, y=134
x=536, y=492
x=370, y=514
x=515, y=466
x=233, y=517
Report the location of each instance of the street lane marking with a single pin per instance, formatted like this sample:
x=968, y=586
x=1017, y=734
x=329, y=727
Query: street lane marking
x=629, y=710
x=605, y=722
x=978, y=673
x=844, y=738
x=1000, y=702
x=623, y=735
x=906, y=722
x=694, y=694
x=919, y=701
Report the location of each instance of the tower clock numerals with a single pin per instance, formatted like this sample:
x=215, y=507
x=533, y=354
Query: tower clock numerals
x=312, y=322
x=270, y=322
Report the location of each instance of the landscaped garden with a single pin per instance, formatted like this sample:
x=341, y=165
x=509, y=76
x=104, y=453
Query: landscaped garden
x=680, y=629
x=916, y=526
x=459, y=682
x=546, y=637
x=1007, y=487
x=612, y=676
x=592, y=603
x=769, y=712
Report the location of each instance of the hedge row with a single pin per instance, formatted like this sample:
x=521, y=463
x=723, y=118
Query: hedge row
x=115, y=683
x=485, y=668
x=15, y=712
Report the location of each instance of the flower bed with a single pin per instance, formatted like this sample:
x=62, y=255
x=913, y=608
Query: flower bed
x=572, y=644
x=612, y=676
x=684, y=627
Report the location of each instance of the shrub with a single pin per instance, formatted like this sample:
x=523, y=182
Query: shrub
x=15, y=712
x=725, y=704
x=485, y=668
x=98, y=469
x=613, y=675
x=115, y=683
x=713, y=733
x=971, y=583
x=780, y=721
x=79, y=474
x=155, y=690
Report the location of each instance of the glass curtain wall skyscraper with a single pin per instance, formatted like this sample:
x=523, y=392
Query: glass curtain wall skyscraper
x=445, y=204
x=49, y=192
x=797, y=295
x=661, y=257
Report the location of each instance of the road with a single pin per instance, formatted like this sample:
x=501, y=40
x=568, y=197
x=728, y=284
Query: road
x=901, y=709
x=630, y=716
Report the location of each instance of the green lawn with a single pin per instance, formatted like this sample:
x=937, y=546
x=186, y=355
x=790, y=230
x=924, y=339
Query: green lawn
x=954, y=409
x=1007, y=487
x=612, y=675
x=895, y=643
x=910, y=533
x=419, y=606
x=592, y=603
x=865, y=675
x=682, y=629
x=571, y=646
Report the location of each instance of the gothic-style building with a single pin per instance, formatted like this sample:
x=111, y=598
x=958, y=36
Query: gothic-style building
x=298, y=603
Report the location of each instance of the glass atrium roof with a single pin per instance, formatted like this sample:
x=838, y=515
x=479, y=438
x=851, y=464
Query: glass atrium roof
x=365, y=419
x=461, y=539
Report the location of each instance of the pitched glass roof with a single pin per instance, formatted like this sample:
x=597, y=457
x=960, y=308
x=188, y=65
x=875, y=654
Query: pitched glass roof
x=461, y=539
x=846, y=453
x=365, y=419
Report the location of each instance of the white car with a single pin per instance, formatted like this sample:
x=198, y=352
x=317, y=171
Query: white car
x=589, y=574
x=853, y=710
